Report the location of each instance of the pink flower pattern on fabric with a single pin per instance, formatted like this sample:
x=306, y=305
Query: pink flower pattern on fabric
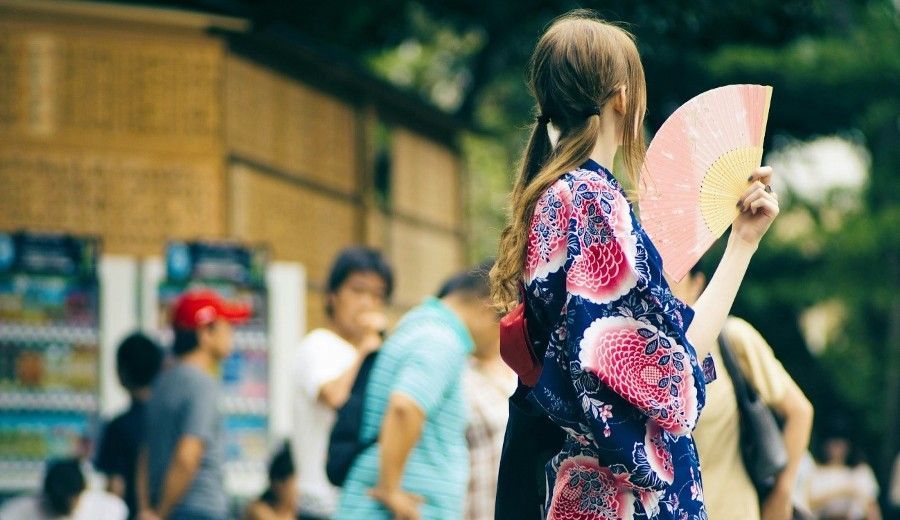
x=605, y=268
x=644, y=366
x=586, y=491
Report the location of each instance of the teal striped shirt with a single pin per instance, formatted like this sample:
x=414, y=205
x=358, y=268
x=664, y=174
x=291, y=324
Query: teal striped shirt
x=424, y=360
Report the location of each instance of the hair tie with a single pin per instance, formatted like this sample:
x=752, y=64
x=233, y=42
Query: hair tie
x=593, y=111
x=543, y=119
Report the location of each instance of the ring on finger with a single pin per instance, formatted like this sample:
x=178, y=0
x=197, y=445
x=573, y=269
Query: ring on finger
x=768, y=188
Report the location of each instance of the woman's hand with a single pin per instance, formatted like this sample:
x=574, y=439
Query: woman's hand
x=759, y=207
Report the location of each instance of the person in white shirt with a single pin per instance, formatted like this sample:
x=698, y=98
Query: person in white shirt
x=64, y=496
x=841, y=491
x=326, y=364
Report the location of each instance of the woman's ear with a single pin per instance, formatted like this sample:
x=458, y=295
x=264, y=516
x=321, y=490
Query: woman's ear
x=620, y=100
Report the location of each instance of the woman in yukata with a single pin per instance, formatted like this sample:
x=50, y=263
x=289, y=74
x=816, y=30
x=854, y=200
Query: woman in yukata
x=621, y=377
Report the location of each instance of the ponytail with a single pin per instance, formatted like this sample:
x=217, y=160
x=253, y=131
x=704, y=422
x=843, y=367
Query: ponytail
x=541, y=167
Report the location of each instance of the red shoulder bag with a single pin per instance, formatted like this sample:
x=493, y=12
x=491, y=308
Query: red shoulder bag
x=515, y=345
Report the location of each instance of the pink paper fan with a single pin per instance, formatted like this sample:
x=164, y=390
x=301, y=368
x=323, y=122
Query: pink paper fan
x=696, y=170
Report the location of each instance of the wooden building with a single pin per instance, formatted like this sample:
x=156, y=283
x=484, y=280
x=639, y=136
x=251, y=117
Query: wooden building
x=140, y=125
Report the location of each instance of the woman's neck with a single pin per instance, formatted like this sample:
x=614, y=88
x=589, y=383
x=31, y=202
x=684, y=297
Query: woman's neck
x=604, y=157
x=604, y=152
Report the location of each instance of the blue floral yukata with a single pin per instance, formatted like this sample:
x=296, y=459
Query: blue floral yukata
x=619, y=375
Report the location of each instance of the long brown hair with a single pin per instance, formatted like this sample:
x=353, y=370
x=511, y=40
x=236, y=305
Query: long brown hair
x=578, y=65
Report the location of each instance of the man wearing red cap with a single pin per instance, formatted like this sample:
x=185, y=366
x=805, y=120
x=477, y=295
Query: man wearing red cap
x=180, y=469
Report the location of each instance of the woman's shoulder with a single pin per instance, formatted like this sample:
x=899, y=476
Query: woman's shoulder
x=574, y=185
x=590, y=176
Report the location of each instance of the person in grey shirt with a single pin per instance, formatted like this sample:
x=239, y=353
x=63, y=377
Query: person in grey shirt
x=180, y=466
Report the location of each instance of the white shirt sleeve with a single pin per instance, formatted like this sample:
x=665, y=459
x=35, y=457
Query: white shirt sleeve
x=22, y=508
x=100, y=504
x=866, y=481
x=321, y=357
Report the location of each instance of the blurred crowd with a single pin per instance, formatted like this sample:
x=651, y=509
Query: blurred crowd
x=404, y=421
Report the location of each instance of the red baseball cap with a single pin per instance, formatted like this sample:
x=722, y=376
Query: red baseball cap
x=200, y=307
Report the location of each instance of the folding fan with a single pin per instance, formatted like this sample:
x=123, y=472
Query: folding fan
x=696, y=170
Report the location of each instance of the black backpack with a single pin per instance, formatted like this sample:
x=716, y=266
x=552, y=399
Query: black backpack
x=345, y=444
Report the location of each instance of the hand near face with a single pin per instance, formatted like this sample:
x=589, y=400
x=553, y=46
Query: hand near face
x=373, y=325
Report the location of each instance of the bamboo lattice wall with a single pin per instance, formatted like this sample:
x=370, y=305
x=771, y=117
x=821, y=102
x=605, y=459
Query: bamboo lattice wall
x=143, y=132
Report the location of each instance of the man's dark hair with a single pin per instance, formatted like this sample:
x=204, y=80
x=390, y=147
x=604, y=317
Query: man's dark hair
x=185, y=342
x=62, y=483
x=358, y=259
x=280, y=469
x=474, y=282
x=138, y=361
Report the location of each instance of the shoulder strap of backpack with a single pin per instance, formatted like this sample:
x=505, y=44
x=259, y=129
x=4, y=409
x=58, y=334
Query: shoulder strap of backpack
x=742, y=388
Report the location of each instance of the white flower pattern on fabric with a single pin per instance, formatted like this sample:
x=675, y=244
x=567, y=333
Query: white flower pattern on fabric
x=547, y=240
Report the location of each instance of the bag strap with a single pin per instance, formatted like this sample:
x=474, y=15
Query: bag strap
x=364, y=370
x=742, y=389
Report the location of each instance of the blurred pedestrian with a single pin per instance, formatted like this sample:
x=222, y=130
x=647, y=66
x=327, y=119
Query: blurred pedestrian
x=416, y=408
x=326, y=363
x=279, y=501
x=180, y=466
x=728, y=491
x=488, y=383
x=138, y=362
x=64, y=496
x=840, y=488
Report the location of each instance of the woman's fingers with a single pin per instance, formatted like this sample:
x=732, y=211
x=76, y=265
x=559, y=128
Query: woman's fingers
x=750, y=194
x=762, y=174
x=768, y=204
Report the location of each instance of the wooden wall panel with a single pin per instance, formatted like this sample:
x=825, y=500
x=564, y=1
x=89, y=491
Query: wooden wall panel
x=315, y=309
x=133, y=202
x=292, y=127
x=249, y=110
x=423, y=259
x=425, y=179
x=299, y=224
x=12, y=80
x=111, y=89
